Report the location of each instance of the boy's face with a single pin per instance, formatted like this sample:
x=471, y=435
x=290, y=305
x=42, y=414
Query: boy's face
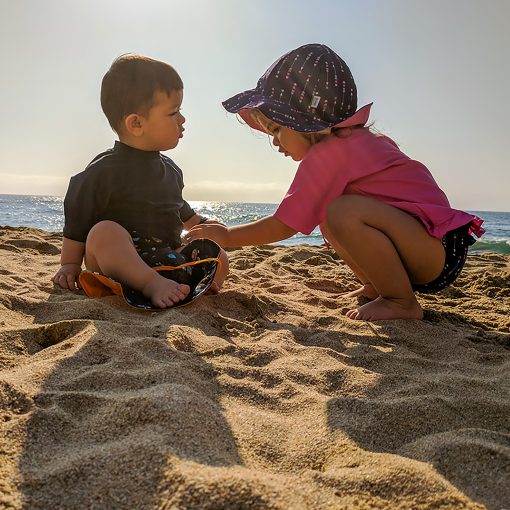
x=163, y=125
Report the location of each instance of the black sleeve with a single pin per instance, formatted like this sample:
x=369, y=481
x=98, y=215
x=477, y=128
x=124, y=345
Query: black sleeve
x=186, y=212
x=80, y=207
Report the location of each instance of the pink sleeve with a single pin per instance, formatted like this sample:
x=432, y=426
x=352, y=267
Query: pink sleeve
x=320, y=177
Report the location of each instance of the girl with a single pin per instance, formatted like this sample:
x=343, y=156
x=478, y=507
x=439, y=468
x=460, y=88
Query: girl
x=381, y=211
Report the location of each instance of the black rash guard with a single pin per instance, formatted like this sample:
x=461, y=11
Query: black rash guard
x=140, y=190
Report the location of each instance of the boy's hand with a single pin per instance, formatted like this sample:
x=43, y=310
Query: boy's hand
x=67, y=276
x=212, y=222
x=214, y=231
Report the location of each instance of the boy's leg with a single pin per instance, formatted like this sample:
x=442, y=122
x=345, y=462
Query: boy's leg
x=221, y=273
x=391, y=248
x=110, y=250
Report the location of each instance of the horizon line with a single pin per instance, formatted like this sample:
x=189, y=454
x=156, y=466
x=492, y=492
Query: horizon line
x=216, y=201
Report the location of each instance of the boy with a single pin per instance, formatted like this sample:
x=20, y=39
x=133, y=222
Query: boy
x=128, y=201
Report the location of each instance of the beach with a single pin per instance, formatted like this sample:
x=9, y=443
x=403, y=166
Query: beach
x=263, y=397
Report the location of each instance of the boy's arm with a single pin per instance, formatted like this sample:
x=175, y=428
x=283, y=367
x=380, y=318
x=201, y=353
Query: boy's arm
x=266, y=230
x=197, y=219
x=71, y=259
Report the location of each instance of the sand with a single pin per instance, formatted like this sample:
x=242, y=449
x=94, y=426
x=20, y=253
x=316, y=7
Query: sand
x=263, y=397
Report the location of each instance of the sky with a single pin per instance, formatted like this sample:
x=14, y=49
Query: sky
x=438, y=73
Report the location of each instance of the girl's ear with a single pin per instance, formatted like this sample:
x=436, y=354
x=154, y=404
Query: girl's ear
x=133, y=124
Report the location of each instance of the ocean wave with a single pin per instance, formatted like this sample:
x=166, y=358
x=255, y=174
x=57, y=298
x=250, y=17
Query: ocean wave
x=495, y=245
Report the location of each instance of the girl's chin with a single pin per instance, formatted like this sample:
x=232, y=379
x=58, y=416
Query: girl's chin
x=289, y=155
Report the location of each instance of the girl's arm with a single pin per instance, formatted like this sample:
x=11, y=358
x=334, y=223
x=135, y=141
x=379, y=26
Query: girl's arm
x=266, y=230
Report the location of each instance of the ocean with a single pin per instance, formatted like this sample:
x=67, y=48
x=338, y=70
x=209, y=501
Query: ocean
x=47, y=213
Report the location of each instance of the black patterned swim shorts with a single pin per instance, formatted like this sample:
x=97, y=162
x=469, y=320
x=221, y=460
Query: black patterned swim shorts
x=154, y=252
x=456, y=244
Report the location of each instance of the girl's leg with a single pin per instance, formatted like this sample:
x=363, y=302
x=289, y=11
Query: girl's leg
x=367, y=288
x=110, y=250
x=391, y=248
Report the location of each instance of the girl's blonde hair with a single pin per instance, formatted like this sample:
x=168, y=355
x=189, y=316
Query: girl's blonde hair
x=260, y=119
x=264, y=122
x=317, y=137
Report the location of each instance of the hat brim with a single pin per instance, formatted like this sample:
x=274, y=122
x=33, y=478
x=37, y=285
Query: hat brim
x=280, y=113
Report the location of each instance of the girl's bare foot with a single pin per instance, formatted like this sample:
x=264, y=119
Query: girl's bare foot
x=163, y=292
x=387, y=308
x=367, y=290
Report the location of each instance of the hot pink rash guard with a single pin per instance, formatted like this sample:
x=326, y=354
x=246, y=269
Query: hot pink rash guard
x=371, y=165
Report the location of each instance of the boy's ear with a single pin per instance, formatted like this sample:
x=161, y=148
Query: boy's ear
x=133, y=124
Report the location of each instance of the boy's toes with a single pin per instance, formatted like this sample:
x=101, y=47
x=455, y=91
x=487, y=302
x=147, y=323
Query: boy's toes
x=170, y=301
x=184, y=289
x=158, y=303
x=166, y=301
x=165, y=293
x=180, y=294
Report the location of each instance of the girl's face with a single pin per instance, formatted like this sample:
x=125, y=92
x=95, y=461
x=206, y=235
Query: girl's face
x=289, y=142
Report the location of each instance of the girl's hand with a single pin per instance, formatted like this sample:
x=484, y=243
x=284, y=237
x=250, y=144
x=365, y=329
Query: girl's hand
x=67, y=276
x=214, y=231
x=263, y=231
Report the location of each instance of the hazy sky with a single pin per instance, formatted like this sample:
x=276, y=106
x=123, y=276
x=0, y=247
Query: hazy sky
x=437, y=71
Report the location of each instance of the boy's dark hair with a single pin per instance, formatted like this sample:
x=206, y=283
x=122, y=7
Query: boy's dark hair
x=130, y=84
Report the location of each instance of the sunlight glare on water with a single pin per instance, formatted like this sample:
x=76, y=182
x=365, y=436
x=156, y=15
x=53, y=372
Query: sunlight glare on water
x=47, y=213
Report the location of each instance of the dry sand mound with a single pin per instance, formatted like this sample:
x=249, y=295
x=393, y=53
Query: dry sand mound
x=264, y=397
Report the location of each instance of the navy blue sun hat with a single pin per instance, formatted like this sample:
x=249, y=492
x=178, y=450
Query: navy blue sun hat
x=308, y=89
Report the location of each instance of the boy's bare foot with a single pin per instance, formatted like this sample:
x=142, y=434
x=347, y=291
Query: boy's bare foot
x=163, y=292
x=386, y=308
x=367, y=290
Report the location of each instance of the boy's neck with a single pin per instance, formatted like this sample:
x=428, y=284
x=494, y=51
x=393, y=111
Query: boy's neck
x=135, y=143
